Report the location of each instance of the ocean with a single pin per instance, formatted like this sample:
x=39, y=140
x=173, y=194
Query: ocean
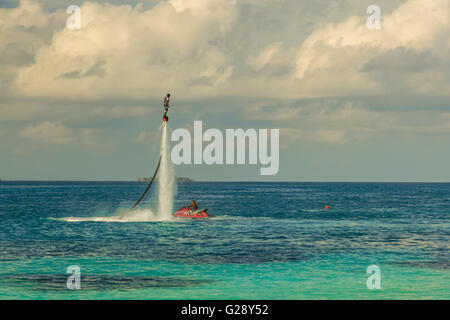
x=269, y=240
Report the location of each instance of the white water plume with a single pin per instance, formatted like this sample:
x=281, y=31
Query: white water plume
x=141, y=215
x=166, y=192
x=166, y=178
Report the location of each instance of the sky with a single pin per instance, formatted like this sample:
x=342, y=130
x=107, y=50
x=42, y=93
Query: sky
x=351, y=103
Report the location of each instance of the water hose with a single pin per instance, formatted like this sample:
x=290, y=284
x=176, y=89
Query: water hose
x=148, y=187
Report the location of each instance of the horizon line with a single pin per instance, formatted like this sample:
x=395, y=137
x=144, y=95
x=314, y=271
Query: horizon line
x=270, y=181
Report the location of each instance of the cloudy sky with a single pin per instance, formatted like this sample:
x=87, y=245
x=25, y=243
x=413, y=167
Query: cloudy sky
x=352, y=103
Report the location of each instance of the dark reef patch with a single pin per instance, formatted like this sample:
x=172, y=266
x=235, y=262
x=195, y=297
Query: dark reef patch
x=443, y=264
x=95, y=282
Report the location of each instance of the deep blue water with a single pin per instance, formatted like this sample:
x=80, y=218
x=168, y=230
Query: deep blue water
x=270, y=240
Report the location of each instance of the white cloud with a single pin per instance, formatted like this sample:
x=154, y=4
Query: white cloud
x=192, y=49
x=24, y=30
x=189, y=47
x=48, y=132
x=293, y=135
x=145, y=136
x=119, y=112
x=30, y=110
x=58, y=134
x=311, y=68
x=265, y=56
x=332, y=59
x=123, y=51
x=342, y=122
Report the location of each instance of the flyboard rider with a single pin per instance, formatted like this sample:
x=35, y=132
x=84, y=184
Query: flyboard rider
x=166, y=107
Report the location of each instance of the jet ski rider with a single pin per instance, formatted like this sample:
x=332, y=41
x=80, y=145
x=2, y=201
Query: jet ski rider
x=194, y=206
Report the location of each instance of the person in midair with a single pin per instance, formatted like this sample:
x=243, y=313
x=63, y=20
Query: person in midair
x=166, y=104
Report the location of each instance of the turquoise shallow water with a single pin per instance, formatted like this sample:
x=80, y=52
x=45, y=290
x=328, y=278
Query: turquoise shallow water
x=270, y=241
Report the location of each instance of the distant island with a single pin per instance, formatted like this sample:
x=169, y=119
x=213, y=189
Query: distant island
x=179, y=179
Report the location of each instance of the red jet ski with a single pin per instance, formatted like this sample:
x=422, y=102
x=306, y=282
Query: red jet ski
x=189, y=213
